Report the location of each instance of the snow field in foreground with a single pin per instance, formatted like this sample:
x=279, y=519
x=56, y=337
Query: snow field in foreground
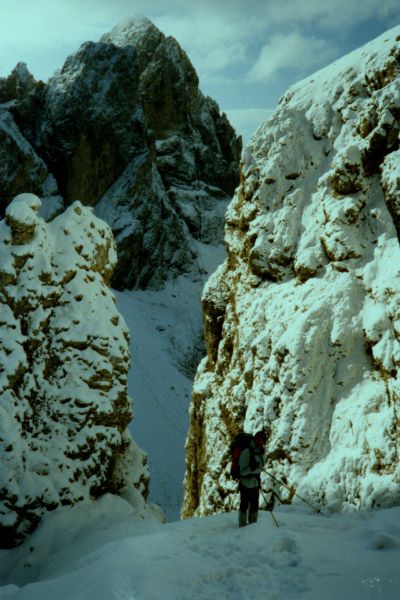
x=105, y=550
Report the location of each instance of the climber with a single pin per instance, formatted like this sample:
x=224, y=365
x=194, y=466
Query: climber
x=251, y=463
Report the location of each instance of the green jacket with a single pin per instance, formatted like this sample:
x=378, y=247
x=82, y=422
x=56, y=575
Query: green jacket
x=251, y=463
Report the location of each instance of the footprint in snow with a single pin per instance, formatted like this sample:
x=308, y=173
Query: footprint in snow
x=286, y=551
x=384, y=541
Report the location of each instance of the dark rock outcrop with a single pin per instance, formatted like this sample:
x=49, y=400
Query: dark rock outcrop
x=91, y=124
x=18, y=85
x=20, y=166
x=188, y=125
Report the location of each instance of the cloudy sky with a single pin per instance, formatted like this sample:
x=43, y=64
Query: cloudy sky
x=246, y=52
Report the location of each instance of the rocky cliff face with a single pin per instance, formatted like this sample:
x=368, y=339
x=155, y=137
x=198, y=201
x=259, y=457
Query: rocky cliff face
x=63, y=368
x=20, y=168
x=123, y=127
x=302, y=322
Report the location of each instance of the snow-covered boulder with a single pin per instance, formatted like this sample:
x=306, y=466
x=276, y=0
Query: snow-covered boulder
x=302, y=322
x=63, y=368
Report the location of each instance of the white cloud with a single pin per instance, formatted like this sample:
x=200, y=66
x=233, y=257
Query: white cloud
x=213, y=44
x=225, y=35
x=294, y=50
x=335, y=15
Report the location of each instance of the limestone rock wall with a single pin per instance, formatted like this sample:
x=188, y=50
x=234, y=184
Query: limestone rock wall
x=91, y=123
x=302, y=322
x=194, y=142
x=63, y=368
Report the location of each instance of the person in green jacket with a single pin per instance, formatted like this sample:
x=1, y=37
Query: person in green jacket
x=251, y=463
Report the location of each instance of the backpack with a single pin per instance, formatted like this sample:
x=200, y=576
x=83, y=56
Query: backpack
x=240, y=442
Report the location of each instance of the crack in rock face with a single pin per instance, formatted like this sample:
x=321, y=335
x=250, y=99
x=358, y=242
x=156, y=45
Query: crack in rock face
x=302, y=321
x=64, y=358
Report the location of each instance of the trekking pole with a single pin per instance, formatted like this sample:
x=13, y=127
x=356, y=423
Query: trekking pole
x=274, y=519
x=272, y=514
x=317, y=510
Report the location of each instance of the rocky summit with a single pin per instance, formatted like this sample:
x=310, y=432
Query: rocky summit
x=123, y=127
x=302, y=321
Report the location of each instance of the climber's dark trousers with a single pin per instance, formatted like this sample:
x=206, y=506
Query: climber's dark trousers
x=248, y=499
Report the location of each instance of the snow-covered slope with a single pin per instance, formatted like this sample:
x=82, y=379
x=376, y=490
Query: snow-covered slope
x=64, y=360
x=303, y=319
x=106, y=551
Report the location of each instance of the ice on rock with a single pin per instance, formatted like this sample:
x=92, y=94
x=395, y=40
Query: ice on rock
x=306, y=338
x=64, y=359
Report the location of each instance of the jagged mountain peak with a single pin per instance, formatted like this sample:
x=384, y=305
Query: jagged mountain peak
x=18, y=84
x=22, y=72
x=139, y=32
x=131, y=31
x=128, y=109
x=163, y=62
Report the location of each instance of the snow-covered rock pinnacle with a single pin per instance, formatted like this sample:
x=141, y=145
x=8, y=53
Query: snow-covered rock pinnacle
x=63, y=368
x=302, y=322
